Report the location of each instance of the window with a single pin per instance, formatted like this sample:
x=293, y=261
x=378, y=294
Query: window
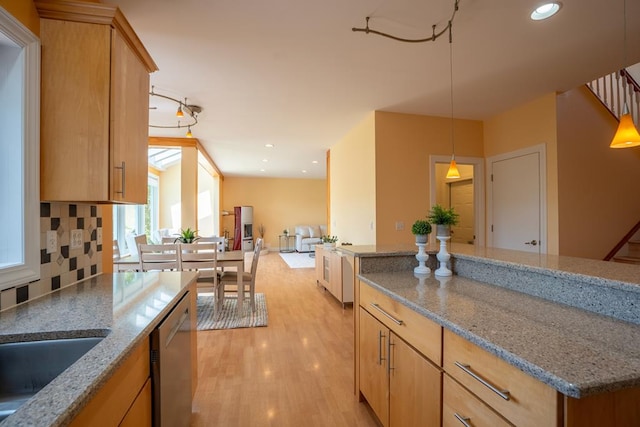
x=19, y=153
x=137, y=219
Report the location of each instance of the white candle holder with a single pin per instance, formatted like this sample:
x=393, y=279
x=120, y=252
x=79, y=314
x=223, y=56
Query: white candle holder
x=443, y=256
x=422, y=256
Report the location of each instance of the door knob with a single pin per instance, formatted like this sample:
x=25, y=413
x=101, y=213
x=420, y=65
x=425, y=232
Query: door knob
x=532, y=243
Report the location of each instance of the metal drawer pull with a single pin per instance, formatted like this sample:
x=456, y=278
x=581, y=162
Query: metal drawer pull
x=380, y=337
x=463, y=420
x=502, y=393
x=377, y=307
x=123, y=174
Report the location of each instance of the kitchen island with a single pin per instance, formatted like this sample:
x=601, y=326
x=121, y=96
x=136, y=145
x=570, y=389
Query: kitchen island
x=124, y=308
x=572, y=325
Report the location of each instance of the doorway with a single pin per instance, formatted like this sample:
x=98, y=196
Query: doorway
x=465, y=194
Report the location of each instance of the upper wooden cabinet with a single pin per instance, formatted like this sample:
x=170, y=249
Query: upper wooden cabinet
x=95, y=105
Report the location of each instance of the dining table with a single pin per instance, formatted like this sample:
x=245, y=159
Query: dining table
x=224, y=259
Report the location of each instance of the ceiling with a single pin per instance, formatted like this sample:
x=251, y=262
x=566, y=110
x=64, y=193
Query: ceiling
x=292, y=73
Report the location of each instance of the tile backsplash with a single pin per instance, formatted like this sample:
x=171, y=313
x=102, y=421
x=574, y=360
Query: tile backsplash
x=65, y=266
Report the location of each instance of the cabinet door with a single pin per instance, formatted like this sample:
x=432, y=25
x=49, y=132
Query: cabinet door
x=374, y=382
x=139, y=415
x=129, y=124
x=74, y=143
x=335, y=265
x=459, y=405
x=414, y=387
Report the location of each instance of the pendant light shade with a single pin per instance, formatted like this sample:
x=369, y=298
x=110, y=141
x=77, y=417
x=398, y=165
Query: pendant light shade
x=627, y=135
x=453, y=171
x=189, y=134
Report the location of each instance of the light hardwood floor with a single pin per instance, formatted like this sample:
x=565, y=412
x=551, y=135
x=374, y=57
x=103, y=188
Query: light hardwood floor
x=297, y=371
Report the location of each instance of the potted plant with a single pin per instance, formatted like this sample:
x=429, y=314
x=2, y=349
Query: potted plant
x=329, y=241
x=443, y=218
x=285, y=231
x=187, y=236
x=421, y=229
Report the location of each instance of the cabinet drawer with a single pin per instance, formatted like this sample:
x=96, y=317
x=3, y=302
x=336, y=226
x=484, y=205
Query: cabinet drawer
x=526, y=401
x=458, y=402
x=422, y=333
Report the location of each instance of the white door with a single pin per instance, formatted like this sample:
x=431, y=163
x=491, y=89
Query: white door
x=517, y=201
x=461, y=196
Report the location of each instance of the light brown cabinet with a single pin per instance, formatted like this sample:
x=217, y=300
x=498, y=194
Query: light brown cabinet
x=95, y=105
x=400, y=384
x=129, y=387
x=334, y=274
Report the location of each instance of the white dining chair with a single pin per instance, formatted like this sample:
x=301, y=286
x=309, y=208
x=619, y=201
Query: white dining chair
x=159, y=257
x=229, y=279
x=213, y=239
x=201, y=257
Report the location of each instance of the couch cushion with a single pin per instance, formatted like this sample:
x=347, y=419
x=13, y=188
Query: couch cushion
x=314, y=231
x=302, y=230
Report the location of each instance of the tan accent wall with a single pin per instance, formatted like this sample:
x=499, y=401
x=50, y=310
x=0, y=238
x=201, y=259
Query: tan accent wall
x=278, y=203
x=25, y=12
x=353, y=185
x=598, y=186
x=403, y=144
x=527, y=125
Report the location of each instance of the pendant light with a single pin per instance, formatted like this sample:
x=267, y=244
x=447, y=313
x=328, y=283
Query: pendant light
x=453, y=167
x=189, y=134
x=627, y=135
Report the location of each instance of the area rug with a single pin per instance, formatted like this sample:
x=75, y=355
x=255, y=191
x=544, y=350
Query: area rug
x=227, y=318
x=298, y=260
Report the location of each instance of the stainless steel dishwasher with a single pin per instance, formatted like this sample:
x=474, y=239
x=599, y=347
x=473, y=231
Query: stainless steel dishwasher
x=171, y=367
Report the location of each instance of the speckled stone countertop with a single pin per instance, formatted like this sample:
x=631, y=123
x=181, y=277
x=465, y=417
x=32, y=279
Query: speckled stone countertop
x=577, y=352
x=365, y=251
x=123, y=307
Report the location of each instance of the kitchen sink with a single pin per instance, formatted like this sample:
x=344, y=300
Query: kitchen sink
x=26, y=367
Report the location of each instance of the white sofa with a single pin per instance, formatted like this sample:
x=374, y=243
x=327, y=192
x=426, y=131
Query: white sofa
x=309, y=235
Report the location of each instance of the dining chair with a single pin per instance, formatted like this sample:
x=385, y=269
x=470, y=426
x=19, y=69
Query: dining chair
x=159, y=257
x=168, y=240
x=133, y=241
x=201, y=257
x=116, y=250
x=213, y=239
x=230, y=279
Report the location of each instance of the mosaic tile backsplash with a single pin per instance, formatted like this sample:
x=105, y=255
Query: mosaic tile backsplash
x=65, y=266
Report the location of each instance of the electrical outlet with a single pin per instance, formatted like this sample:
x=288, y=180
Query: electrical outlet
x=76, y=239
x=399, y=225
x=99, y=236
x=52, y=241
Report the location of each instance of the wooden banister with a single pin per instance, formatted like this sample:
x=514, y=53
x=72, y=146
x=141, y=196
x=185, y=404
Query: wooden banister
x=622, y=242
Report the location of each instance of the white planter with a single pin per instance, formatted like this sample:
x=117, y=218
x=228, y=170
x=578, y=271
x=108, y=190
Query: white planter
x=328, y=246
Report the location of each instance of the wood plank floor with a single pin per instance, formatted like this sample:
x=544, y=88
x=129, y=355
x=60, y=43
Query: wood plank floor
x=297, y=371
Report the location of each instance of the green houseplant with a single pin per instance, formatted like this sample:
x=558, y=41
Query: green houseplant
x=187, y=236
x=421, y=229
x=443, y=218
x=329, y=241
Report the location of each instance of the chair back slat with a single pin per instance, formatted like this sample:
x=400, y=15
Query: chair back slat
x=159, y=257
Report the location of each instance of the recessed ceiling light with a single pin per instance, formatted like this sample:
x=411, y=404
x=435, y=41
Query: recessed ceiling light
x=265, y=160
x=545, y=11
x=268, y=145
x=304, y=171
x=261, y=170
x=315, y=162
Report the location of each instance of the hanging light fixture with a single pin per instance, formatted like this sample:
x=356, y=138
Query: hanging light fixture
x=626, y=135
x=185, y=110
x=453, y=167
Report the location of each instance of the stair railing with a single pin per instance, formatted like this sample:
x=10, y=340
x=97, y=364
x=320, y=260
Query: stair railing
x=622, y=242
x=610, y=90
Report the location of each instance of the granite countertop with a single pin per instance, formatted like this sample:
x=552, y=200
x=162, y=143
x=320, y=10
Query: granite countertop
x=122, y=307
x=577, y=352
